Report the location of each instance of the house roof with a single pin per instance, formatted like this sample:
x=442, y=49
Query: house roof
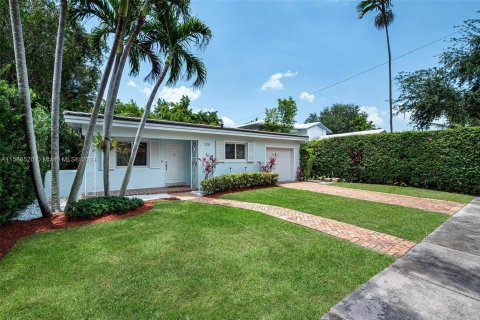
x=77, y=118
x=297, y=126
x=356, y=133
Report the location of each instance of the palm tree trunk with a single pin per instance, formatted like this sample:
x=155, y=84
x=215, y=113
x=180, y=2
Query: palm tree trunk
x=77, y=182
x=55, y=118
x=141, y=126
x=24, y=94
x=390, y=99
x=111, y=99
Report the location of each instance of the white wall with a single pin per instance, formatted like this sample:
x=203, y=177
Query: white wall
x=146, y=177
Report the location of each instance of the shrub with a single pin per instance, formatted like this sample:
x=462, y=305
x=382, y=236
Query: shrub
x=233, y=181
x=443, y=160
x=91, y=207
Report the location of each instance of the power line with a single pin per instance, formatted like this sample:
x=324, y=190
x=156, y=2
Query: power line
x=368, y=70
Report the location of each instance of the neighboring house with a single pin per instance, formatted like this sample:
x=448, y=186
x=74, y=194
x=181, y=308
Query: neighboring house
x=313, y=130
x=169, y=152
x=356, y=133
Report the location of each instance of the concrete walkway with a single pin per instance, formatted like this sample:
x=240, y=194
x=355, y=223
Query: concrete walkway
x=374, y=240
x=441, y=206
x=438, y=279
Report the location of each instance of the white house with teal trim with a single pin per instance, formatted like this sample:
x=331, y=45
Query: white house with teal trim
x=169, y=152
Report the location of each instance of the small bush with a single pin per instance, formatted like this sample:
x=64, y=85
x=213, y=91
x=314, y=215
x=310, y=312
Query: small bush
x=233, y=181
x=91, y=207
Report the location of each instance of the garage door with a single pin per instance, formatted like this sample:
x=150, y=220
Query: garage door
x=284, y=166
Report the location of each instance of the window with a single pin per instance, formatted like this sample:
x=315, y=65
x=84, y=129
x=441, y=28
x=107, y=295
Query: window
x=235, y=151
x=124, y=150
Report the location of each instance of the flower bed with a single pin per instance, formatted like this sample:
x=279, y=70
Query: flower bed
x=234, y=181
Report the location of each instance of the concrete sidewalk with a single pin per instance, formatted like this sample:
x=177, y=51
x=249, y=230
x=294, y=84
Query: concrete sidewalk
x=438, y=279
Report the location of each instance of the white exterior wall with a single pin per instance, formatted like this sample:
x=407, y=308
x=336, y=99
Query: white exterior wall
x=315, y=132
x=146, y=177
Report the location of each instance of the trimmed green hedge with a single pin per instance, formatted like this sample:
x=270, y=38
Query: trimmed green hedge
x=233, y=181
x=91, y=207
x=444, y=160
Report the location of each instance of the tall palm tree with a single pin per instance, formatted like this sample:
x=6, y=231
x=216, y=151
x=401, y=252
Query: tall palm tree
x=24, y=94
x=98, y=8
x=174, y=38
x=383, y=19
x=55, y=112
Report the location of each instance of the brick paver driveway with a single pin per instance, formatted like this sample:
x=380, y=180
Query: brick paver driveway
x=440, y=206
x=378, y=241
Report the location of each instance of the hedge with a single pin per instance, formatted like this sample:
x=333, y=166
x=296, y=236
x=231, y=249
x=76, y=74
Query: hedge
x=91, y=207
x=234, y=181
x=446, y=160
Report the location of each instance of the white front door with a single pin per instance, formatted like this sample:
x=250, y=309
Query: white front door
x=284, y=165
x=175, y=163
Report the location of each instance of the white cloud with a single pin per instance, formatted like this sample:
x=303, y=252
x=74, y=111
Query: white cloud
x=175, y=94
x=307, y=96
x=147, y=91
x=227, y=122
x=197, y=110
x=373, y=115
x=132, y=84
x=274, y=82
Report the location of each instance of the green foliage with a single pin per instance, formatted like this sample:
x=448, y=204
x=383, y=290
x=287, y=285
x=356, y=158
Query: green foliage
x=312, y=117
x=91, y=207
x=342, y=118
x=282, y=118
x=234, y=181
x=443, y=160
x=451, y=91
x=81, y=59
x=181, y=112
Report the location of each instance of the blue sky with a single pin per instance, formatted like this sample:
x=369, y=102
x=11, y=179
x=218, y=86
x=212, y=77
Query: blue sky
x=265, y=50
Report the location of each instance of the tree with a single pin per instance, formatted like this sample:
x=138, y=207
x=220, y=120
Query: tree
x=55, y=113
x=181, y=112
x=449, y=93
x=282, y=118
x=383, y=19
x=312, y=117
x=121, y=20
x=24, y=94
x=174, y=38
x=342, y=118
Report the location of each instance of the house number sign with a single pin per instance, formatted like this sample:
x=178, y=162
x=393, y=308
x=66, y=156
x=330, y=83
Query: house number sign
x=207, y=144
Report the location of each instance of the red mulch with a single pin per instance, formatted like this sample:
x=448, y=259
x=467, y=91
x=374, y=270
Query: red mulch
x=219, y=194
x=11, y=233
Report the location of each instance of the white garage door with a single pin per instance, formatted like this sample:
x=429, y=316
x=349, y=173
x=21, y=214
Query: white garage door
x=284, y=166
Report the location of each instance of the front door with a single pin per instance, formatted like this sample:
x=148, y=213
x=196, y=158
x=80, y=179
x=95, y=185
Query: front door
x=175, y=164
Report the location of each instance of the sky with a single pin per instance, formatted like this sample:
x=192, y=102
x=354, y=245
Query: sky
x=265, y=50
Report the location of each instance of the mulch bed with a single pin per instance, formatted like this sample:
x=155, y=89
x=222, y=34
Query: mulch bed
x=11, y=233
x=219, y=194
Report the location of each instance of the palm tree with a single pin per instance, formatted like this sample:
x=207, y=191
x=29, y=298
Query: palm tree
x=98, y=9
x=383, y=19
x=24, y=94
x=174, y=39
x=55, y=117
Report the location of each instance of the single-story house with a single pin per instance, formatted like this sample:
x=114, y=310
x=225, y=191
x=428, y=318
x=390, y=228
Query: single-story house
x=169, y=152
x=313, y=130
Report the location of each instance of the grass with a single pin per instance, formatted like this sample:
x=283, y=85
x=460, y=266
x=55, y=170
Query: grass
x=406, y=223
x=409, y=191
x=183, y=261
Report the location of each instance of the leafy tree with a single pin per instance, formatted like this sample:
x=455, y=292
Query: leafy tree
x=282, y=118
x=312, y=117
x=383, y=19
x=81, y=59
x=181, y=111
x=128, y=109
x=450, y=92
x=342, y=118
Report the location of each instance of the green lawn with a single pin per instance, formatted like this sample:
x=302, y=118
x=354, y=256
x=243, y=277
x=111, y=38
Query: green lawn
x=183, y=261
x=408, y=191
x=407, y=223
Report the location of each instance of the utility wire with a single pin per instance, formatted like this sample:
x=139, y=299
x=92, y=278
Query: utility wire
x=367, y=70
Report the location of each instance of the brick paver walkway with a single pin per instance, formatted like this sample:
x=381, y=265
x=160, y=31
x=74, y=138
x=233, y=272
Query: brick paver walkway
x=441, y=206
x=381, y=242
